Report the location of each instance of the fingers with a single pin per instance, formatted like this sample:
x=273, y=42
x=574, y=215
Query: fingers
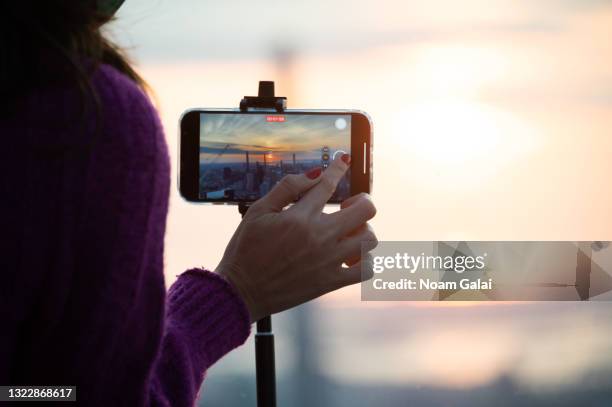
x=354, y=274
x=355, y=211
x=349, y=261
x=352, y=260
x=352, y=246
x=317, y=197
x=288, y=189
x=351, y=200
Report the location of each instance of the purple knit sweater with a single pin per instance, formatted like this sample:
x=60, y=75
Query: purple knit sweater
x=82, y=296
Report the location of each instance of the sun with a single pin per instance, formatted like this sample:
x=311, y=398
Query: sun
x=450, y=132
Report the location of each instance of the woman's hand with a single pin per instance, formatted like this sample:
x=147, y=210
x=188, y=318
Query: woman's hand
x=278, y=259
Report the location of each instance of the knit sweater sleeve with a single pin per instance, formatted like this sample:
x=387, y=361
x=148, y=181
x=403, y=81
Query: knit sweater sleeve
x=205, y=319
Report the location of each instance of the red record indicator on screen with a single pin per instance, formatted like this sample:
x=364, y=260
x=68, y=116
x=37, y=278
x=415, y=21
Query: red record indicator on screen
x=275, y=119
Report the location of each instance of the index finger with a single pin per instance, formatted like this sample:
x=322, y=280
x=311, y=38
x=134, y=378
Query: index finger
x=316, y=198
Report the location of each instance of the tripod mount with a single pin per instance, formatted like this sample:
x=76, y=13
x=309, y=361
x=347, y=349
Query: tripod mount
x=264, y=338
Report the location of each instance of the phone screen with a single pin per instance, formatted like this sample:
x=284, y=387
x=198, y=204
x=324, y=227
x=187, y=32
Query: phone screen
x=243, y=156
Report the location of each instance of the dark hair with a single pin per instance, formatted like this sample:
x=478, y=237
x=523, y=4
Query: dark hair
x=54, y=42
x=57, y=43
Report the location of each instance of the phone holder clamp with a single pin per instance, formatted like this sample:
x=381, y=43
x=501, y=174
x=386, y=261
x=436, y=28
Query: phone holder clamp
x=265, y=99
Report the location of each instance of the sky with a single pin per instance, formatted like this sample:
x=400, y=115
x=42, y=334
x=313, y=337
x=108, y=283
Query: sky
x=492, y=121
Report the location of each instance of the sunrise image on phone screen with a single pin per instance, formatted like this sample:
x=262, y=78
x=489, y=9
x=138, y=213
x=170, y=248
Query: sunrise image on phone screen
x=242, y=156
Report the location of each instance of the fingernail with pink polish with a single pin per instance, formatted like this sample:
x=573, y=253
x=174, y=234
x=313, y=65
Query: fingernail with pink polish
x=346, y=158
x=314, y=173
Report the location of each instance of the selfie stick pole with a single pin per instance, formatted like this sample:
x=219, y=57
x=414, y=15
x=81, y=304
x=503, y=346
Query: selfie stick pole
x=264, y=338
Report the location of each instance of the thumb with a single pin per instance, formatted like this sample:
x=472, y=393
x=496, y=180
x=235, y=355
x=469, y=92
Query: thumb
x=288, y=190
x=358, y=272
